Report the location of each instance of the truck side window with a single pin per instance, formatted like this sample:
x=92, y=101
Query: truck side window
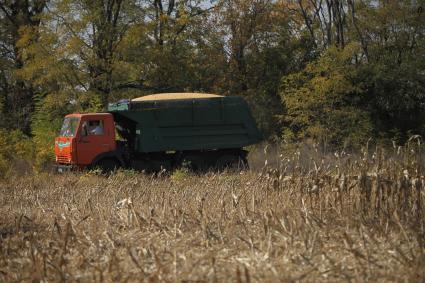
x=95, y=127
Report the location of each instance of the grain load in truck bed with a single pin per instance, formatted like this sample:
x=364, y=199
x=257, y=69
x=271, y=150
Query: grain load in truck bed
x=174, y=96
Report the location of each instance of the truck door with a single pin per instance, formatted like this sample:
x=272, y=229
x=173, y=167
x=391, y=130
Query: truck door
x=94, y=139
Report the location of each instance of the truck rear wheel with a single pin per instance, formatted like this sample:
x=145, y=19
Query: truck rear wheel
x=193, y=162
x=231, y=162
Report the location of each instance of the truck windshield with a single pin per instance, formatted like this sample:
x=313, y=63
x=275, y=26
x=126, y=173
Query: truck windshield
x=69, y=127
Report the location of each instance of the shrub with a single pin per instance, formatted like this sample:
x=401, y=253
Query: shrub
x=321, y=102
x=14, y=146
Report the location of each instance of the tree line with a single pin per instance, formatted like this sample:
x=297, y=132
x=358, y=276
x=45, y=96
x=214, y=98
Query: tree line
x=336, y=71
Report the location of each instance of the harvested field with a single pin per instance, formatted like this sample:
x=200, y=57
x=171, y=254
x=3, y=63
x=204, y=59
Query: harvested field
x=349, y=220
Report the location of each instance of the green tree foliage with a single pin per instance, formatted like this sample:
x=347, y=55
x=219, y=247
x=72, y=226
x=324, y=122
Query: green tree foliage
x=385, y=71
x=76, y=54
x=394, y=42
x=14, y=145
x=323, y=101
x=16, y=94
x=255, y=38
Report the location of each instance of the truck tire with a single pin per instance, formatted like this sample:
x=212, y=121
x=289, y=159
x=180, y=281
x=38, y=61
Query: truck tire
x=107, y=165
x=231, y=162
x=193, y=162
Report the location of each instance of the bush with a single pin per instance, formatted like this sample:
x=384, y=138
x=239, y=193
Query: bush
x=14, y=146
x=322, y=101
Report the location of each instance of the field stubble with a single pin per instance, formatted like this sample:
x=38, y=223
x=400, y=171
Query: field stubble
x=306, y=218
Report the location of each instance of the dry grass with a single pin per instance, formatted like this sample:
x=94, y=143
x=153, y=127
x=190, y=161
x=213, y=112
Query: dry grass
x=339, y=219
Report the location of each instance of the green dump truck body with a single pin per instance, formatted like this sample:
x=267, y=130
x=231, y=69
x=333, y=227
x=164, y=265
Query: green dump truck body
x=189, y=123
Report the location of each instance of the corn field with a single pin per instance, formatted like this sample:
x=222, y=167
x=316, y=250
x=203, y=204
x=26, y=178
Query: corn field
x=299, y=217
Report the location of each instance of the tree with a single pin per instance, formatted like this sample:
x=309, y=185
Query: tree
x=394, y=35
x=72, y=63
x=16, y=94
x=323, y=101
x=389, y=61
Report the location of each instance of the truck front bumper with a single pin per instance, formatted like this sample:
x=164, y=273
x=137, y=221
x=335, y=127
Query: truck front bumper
x=61, y=168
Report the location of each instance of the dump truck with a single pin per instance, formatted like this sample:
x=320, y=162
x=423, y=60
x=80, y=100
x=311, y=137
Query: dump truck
x=157, y=131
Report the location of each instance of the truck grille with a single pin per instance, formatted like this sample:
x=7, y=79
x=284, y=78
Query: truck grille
x=63, y=159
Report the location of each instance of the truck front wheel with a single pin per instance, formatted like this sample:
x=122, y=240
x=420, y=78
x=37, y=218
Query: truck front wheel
x=107, y=165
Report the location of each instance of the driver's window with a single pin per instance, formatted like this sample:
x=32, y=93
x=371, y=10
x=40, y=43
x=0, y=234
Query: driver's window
x=92, y=128
x=95, y=127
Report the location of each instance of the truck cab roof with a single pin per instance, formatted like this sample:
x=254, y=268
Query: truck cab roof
x=79, y=115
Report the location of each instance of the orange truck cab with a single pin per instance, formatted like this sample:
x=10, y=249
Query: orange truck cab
x=84, y=140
